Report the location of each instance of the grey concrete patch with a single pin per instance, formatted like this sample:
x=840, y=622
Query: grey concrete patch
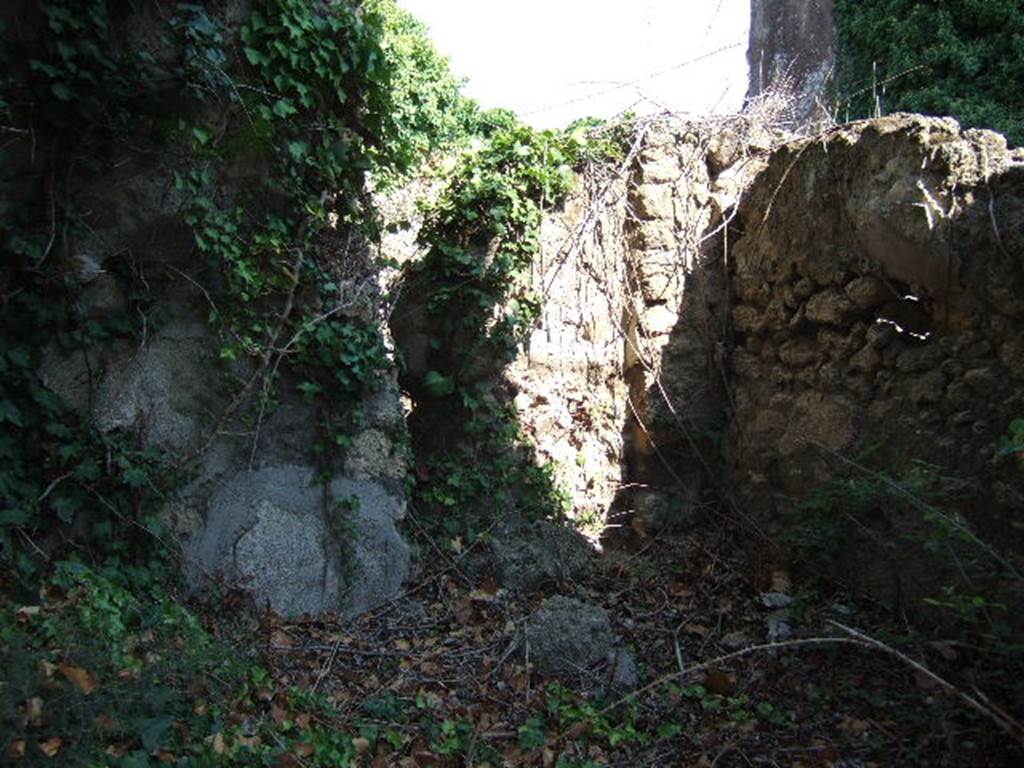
x=164, y=389
x=273, y=532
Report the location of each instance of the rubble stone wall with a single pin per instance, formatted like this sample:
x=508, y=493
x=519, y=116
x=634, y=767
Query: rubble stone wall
x=878, y=300
x=770, y=310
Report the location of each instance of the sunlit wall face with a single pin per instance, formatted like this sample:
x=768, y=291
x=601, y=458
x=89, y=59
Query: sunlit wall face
x=553, y=61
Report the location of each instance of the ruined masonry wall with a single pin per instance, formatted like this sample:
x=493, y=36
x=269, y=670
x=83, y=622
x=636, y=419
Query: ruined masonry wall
x=879, y=304
x=805, y=299
x=620, y=387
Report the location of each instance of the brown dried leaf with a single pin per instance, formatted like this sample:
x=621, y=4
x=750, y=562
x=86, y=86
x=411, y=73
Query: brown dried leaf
x=250, y=742
x=106, y=723
x=51, y=747
x=80, y=678
x=679, y=589
x=16, y=750
x=361, y=745
x=945, y=650
x=304, y=749
x=926, y=683
x=780, y=582
x=217, y=743
x=464, y=610
x=721, y=683
x=282, y=639
x=577, y=730
x=34, y=712
x=852, y=727
x=264, y=694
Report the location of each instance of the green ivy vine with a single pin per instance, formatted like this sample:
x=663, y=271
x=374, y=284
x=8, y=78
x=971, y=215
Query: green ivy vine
x=481, y=236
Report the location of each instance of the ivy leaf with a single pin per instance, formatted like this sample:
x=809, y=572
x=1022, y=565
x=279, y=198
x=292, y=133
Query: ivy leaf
x=284, y=108
x=88, y=471
x=438, y=385
x=152, y=730
x=255, y=57
x=47, y=400
x=62, y=91
x=20, y=357
x=9, y=412
x=298, y=149
x=135, y=476
x=68, y=450
x=13, y=517
x=65, y=507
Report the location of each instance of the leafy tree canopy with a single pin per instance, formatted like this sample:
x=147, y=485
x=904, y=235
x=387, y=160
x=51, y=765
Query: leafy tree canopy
x=963, y=58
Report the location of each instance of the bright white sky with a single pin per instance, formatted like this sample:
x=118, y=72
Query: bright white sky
x=534, y=56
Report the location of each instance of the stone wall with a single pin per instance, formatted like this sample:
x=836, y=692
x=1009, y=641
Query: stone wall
x=878, y=299
x=675, y=288
x=622, y=383
x=570, y=394
x=787, y=305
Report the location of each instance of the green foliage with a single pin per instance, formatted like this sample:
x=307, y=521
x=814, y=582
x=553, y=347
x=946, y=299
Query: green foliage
x=79, y=75
x=963, y=58
x=618, y=726
x=909, y=521
x=427, y=110
x=107, y=678
x=82, y=656
x=739, y=709
x=482, y=235
x=861, y=504
x=62, y=483
x=493, y=471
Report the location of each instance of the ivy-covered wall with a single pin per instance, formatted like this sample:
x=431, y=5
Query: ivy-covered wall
x=184, y=218
x=193, y=371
